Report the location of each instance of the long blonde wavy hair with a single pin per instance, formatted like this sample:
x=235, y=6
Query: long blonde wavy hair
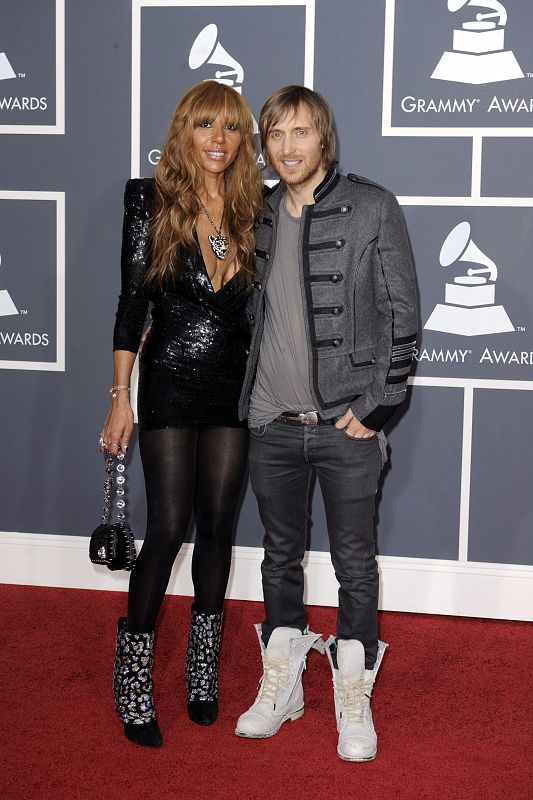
x=179, y=179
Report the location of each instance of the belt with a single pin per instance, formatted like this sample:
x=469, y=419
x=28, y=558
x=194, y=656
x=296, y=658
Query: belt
x=309, y=418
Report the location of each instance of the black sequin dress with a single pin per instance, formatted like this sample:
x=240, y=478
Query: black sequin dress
x=193, y=360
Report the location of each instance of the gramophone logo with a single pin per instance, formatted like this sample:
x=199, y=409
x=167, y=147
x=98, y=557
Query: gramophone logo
x=7, y=306
x=479, y=54
x=6, y=70
x=469, y=308
x=207, y=49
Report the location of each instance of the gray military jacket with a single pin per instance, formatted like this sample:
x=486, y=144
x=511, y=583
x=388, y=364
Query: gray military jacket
x=359, y=297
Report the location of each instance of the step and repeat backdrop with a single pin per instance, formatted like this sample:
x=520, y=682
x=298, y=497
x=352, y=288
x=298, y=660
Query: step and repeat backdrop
x=432, y=98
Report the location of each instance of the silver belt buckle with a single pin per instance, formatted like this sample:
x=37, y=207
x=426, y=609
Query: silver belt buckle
x=309, y=418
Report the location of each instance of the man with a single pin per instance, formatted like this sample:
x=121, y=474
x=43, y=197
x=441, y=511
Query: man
x=334, y=322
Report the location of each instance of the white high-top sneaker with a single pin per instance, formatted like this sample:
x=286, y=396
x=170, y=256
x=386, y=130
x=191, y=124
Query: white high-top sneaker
x=280, y=695
x=352, y=689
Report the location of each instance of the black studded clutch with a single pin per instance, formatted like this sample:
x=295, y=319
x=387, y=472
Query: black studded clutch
x=113, y=544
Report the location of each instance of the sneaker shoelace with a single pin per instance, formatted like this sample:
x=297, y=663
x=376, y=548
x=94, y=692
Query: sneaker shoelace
x=355, y=697
x=275, y=679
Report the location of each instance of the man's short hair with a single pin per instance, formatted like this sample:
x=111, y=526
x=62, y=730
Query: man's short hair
x=289, y=100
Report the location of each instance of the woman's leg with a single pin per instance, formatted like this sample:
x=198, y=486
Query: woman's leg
x=169, y=464
x=221, y=455
x=221, y=460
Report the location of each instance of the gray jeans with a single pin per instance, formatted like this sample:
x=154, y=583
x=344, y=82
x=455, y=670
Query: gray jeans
x=282, y=460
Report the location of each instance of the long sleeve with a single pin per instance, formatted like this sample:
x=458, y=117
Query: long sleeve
x=133, y=300
x=378, y=404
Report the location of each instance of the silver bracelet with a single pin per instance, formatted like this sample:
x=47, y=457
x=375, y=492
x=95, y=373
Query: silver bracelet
x=119, y=388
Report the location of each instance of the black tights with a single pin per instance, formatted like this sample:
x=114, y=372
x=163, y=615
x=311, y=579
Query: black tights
x=193, y=469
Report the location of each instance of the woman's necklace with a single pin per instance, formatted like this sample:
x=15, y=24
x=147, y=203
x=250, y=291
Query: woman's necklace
x=219, y=244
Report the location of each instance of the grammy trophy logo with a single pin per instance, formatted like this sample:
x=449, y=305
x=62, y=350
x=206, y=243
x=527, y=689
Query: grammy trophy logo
x=207, y=49
x=6, y=70
x=469, y=308
x=478, y=55
x=7, y=306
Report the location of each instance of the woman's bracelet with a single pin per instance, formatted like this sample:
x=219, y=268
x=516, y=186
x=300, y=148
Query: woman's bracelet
x=119, y=388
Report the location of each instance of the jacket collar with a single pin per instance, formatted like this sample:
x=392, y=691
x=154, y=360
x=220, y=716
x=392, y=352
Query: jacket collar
x=322, y=190
x=331, y=179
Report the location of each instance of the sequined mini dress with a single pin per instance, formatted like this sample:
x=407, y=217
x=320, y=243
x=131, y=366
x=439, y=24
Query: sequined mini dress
x=193, y=359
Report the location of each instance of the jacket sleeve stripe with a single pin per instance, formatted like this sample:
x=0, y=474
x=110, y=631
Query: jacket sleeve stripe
x=401, y=364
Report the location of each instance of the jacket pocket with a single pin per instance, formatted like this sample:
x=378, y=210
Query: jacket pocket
x=361, y=358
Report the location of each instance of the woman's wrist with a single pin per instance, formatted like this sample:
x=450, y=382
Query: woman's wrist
x=120, y=399
x=118, y=389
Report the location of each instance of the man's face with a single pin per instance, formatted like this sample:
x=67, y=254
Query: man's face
x=294, y=148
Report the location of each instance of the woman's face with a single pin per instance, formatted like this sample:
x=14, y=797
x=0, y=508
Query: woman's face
x=215, y=144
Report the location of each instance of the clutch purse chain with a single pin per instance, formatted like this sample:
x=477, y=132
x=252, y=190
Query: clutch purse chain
x=113, y=544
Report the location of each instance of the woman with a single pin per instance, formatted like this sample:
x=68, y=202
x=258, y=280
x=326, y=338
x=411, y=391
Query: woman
x=188, y=245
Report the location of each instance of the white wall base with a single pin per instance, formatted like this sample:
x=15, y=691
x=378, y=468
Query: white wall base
x=426, y=586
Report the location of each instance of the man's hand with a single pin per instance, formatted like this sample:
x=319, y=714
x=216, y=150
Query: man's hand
x=352, y=426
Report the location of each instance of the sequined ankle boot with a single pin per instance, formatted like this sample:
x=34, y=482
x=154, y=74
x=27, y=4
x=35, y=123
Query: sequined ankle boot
x=132, y=686
x=201, y=667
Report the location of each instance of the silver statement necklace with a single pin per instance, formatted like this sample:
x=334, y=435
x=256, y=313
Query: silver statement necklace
x=219, y=243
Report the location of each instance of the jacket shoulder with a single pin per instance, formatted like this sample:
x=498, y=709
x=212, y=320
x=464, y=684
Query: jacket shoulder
x=368, y=191
x=139, y=193
x=365, y=181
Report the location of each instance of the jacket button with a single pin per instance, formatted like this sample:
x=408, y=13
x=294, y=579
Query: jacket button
x=337, y=342
x=344, y=209
x=336, y=311
x=338, y=244
x=259, y=286
x=267, y=256
x=252, y=319
x=335, y=278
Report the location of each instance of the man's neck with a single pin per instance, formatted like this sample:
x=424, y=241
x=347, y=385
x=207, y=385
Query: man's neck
x=303, y=194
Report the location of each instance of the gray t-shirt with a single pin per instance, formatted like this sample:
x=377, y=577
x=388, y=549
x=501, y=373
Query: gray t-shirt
x=282, y=380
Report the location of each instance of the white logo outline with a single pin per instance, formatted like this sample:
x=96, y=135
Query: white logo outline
x=308, y=7
x=58, y=199
x=471, y=129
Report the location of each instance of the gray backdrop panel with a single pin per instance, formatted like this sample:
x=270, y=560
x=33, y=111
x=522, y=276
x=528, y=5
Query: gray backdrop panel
x=501, y=514
x=28, y=41
x=30, y=274
x=508, y=167
x=50, y=469
x=505, y=236
x=419, y=508
x=432, y=27
x=167, y=37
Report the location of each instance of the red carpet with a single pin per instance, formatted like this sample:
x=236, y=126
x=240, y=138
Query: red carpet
x=452, y=708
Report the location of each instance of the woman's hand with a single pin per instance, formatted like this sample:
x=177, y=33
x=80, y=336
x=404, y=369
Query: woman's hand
x=118, y=425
